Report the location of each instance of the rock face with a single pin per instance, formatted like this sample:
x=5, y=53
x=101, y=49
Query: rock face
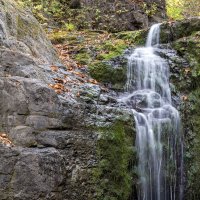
x=183, y=57
x=20, y=31
x=63, y=146
x=120, y=15
x=49, y=142
x=124, y=14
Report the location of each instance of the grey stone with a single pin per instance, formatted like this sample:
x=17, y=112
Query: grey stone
x=23, y=136
x=53, y=137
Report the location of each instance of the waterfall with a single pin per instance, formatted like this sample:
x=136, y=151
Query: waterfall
x=159, y=140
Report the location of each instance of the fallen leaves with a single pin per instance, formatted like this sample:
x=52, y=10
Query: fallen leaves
x=59, y=88
x=184, y=98
x=76, y=74
x=54, y=68
x=93, y=81
x=5, y=140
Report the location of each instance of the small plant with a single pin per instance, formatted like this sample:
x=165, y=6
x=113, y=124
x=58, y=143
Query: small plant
x=150, y=10
x=70, y=27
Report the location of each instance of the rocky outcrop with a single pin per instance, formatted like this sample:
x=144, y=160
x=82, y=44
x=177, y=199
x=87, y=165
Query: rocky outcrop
x=123, y=15
x=113, y=16
x=49, y=142
x=183, y=50
x=20, y=31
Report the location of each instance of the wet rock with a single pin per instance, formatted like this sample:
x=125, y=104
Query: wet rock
x=179, y=29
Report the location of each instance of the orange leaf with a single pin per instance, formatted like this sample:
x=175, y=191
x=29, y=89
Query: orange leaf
x=54, y=68
x=78, y=94
x=58, y=91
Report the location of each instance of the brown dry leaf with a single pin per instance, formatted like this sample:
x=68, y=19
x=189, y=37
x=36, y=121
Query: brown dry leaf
x=93, y=81
x=59, y=80
x=187, y=70
x=58, y=91
x=5, y=140
x=184, y=98
x=79, y=74
x=51, y=85
x=78, y=94
x=54, y=68
x=58, y=86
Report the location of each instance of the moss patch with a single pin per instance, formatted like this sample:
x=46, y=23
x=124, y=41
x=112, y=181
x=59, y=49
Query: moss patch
x=188, y=84
x=113, y=174
x=133, y=37
x=191, y=121
x=106, y=73
x=189, y=48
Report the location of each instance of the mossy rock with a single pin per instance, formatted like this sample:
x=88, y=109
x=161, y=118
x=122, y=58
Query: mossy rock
x=111, y=49
x=83, y=58
x=133, y=37
x=189, y=48
x=188, y=83
x=106, y=73
x=57, y=36
x=191, y=123
x=113, y=175
x=182, y=28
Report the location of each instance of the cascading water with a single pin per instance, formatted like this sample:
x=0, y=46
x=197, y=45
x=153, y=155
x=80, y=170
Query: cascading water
x=159, y=140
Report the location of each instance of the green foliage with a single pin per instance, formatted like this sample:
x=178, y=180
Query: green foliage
x=70, y=26
x=175, y=9
x=151, y=9
x=179, y=9
x=112, y=175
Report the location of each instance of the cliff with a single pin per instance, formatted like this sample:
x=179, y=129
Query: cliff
x=53, y=145
x=63, y=135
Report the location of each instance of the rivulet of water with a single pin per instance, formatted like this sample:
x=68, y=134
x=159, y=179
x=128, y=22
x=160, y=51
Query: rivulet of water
x=159, y=140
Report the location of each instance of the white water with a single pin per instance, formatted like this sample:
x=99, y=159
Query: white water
x=158, y=141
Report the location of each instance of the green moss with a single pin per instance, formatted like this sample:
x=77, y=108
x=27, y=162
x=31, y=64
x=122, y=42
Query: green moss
x=83, y=58
x=100, y=71
x=58, y=36
x=113, y=175
x=111, y=49
x=133, y=37
x=189, y=47
x=191, y=120
x=97, y=49
x=105, y=73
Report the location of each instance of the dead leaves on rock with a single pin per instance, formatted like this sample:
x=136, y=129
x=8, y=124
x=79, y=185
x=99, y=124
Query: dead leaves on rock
x=54, y=68
x=76, y=73
x=5, y=140
x=75, y=78
x=59, y=87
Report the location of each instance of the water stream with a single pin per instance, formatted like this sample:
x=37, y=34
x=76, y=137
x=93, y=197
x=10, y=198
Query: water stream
x=158, y=141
